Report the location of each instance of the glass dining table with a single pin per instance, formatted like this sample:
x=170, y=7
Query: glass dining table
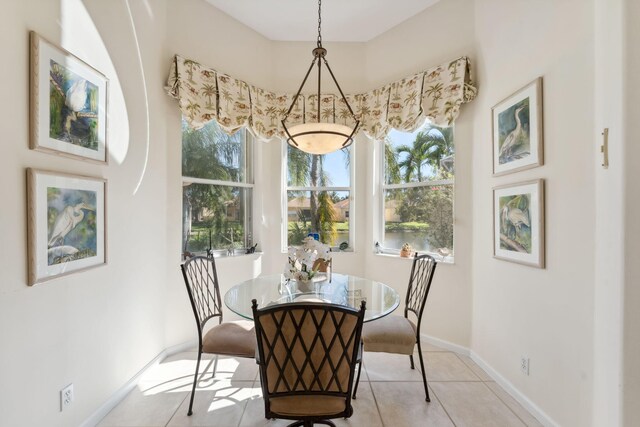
x=341, y=289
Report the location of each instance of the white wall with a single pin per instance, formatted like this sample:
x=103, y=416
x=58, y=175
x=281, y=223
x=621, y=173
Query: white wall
x=609, y=212
x=97, y=328
x=545, y=314
x=200, y=32
x=631, y=203
x=433, y=40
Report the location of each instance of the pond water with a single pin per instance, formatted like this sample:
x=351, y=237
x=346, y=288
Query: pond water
x=395, y=239
x=417, y=240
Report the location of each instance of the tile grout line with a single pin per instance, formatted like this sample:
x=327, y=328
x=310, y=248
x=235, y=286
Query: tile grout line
x=433, y=392
x=177, y=409
x=376, y=402
x=491, y=390
x=505, y=403
x=244, y=410
x=468, y=367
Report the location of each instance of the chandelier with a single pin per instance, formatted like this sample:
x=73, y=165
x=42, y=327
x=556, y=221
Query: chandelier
x=320, y=137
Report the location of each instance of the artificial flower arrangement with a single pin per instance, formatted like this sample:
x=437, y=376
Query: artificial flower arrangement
x=406, y=250
x=301, y=265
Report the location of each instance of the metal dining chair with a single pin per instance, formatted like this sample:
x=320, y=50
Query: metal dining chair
x=399, y=334
x=307, y=354
x=236, y=338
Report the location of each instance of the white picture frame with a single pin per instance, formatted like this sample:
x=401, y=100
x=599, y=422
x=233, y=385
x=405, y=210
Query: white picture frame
x=518, y=223
x=517, y=131
x=66, y=224
x=68, y=104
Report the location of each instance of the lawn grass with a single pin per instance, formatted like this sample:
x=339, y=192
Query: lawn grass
x=406, y=226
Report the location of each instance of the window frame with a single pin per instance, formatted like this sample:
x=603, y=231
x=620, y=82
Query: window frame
x=284, y=229
x=383, y=187
x=249, y=183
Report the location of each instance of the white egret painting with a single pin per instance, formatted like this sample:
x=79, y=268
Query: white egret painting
x=68, y=103
x=73, y=108
x=519, y=223
x=71, y=221
x=517, y=130
x=66, y=224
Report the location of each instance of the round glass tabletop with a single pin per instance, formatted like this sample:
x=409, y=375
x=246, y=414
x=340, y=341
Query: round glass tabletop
x=342, y=289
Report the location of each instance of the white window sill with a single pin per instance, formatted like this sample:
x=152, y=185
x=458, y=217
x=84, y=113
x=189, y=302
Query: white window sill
x=221, y=254
x=438, y=258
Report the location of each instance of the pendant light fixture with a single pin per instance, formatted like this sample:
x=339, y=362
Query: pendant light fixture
x=320, y=137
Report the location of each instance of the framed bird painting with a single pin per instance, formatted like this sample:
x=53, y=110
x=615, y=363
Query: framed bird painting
x=518, y=223
x=517, y=130
x=68, y=104
x=66, y=224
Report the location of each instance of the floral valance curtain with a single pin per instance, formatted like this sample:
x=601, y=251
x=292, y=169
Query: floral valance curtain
x=205, y=94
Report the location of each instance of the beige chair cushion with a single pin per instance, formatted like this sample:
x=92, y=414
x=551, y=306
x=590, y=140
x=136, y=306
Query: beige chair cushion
x=321, y=406
x=236, y=338
x=390, y=334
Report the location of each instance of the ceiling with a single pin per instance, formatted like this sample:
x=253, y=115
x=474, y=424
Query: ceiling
x=342, y=20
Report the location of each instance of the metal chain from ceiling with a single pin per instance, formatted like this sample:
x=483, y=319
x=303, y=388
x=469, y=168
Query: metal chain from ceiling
x=319, y=23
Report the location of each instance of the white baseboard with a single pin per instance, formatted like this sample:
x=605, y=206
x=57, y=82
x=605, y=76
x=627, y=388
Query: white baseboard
x=540, y=415
x=122, y=392
x=534, y=409
x=445, y=344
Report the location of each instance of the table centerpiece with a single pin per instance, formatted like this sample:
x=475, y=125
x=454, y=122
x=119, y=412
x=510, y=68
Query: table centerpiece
x=306, y=260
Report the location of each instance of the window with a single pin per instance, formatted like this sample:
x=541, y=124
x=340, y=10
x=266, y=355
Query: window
x=417, y=190
x=318, y=197
x=217, y=184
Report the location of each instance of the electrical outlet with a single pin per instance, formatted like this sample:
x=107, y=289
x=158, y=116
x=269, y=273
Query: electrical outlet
x=524, y=365
x=66, y=397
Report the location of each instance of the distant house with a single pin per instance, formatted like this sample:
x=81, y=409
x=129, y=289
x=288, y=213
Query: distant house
x=232, y=209
x=342, y=210
x=302, y=204
x=298, y=204
x=391, y=211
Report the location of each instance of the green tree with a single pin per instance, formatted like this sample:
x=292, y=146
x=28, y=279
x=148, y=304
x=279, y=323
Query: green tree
x=209, y=153
x=428, y=149
x=432, y=205
x=307, y=170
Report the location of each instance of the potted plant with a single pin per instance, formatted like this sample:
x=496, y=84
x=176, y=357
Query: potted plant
x=304, y=261
x=406, y=251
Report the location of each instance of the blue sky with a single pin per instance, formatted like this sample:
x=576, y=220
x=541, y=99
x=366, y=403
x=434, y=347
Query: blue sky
x=334, y=162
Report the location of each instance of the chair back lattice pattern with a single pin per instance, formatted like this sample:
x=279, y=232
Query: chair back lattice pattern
x=419, y=284
x=201, y=279
x=307, y=348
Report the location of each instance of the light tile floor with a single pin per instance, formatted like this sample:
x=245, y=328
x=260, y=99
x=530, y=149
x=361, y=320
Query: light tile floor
x=390, y=394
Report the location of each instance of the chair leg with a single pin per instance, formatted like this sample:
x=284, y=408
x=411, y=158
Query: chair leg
x=424, y=375
x=411, y=358
x=355, y=388
x=195, y=381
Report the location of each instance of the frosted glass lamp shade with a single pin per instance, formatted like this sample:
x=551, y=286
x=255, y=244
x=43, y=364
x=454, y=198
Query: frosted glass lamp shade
x=320, y=138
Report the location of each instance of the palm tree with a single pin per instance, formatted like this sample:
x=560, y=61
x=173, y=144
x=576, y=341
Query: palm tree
x=411, y=98
x=191, y=65
x=226, y=95
x=209, y=153
x=435, y=91
x=327, y=113
x=193, y=109
x=209, y=90
x=391, y=170
x=272, y=112
x=429, y=148
x=307, y=170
